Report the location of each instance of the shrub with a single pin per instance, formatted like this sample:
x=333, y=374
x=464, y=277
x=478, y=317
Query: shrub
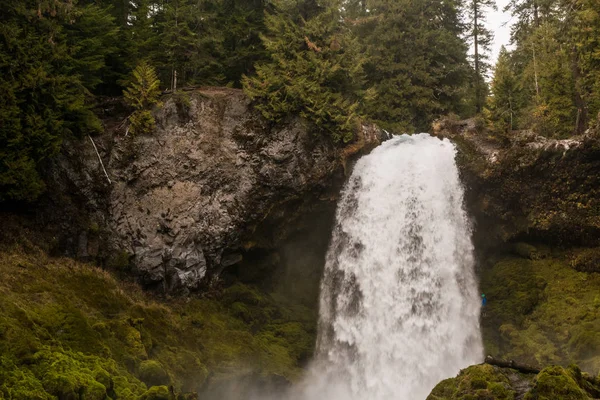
x=142, y=93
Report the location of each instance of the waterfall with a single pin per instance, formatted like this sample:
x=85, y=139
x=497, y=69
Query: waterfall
x=399, y=305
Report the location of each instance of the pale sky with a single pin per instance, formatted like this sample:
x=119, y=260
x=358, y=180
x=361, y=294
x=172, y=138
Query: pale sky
x=495, y=22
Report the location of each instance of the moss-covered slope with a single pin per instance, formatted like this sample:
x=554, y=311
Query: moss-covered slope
x=487, y=382
x=71, y=331
x=542, y=311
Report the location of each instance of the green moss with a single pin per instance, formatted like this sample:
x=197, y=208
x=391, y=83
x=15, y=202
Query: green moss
x=526, y=251
x=157, y=393
x=485, y=382
x=68, y=329
x=152, y=373
x=476, y=382
x=542, y=312
x=555, y=383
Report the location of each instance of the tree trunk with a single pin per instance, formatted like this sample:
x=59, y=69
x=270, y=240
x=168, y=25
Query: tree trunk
x=526, y=369
x=478, y=105
x=582, y=108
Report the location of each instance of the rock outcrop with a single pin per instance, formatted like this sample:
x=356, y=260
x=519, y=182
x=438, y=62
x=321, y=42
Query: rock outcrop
x=211, y=181
x=487, y=381
x=526, y=187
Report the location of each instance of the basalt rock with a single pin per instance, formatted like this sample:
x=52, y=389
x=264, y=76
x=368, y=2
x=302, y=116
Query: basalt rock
x=187, y=200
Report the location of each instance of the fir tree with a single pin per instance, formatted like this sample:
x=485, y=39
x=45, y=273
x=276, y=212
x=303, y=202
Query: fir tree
x=415, y=60
x=505, y=101
x=481, y=38
x=315, y=71
x=45, y=89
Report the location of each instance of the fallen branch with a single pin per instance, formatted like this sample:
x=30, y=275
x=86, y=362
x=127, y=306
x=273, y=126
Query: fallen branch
x=528, y=369
x=100, y=159
x=122, y=124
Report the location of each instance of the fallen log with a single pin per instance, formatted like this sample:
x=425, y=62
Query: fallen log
x=526, y=369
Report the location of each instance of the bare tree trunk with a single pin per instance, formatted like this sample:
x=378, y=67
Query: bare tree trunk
x=535, y=74
x=100, y=159
x=580, y=103
x=478, y=105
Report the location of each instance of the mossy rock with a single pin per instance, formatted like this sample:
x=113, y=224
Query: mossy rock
x=479, y=382
x=587, y=260
x=157, y=393
x=556, y=383
x=542, y=312
x=526, y=251
x=152, y=373
x=69, y=329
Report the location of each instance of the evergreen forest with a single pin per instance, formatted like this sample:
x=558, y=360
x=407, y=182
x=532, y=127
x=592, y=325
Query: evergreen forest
x=398, y=63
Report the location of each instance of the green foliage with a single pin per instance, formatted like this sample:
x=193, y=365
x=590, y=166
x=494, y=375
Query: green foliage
x=141, y=122
x=481, y=38
x=553, y=68
x=415, y=60
x=143, y=89
x=45, y=80
x=315, y=71
x=506, y=100
x=141, y=94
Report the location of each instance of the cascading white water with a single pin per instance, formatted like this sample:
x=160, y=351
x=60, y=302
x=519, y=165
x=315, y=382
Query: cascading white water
x=399, y=304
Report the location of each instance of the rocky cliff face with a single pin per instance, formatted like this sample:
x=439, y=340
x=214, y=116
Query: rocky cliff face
x=212, y=181
x=526, y=187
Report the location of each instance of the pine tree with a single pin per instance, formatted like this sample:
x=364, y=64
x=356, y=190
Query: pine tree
x=505, y=102
x=45, y=85
x=584, y=34
x=481, y=38
x=415, y=60
x=241, y=46
x=315, y=71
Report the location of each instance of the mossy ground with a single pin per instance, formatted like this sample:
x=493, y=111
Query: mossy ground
x=476, y=382
x=542, y=312
x=487, y=382
x=72, y=331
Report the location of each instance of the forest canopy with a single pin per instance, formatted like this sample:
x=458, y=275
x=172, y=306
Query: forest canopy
x=399, y=63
